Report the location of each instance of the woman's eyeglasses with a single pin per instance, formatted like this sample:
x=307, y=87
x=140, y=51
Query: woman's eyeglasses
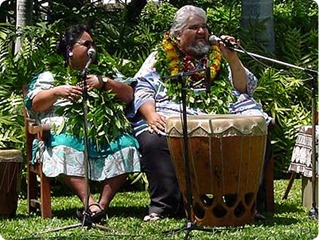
x=87, y=44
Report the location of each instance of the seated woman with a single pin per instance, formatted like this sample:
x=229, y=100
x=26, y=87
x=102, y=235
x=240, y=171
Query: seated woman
x=63, y=154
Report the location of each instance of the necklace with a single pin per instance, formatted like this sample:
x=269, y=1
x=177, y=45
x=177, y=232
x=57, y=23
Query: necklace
x=170, y=61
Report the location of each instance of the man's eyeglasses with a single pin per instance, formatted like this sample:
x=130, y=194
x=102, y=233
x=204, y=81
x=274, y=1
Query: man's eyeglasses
x=87, y=44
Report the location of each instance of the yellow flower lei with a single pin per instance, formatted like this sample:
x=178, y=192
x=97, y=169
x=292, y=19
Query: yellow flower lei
x=174, y=62
x=170, y=61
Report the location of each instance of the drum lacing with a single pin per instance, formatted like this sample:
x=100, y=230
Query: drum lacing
x=6, y=160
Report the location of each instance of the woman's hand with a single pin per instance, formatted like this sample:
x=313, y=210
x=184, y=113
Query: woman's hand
x=44, y=100
x=72, y=93
x=92, y=82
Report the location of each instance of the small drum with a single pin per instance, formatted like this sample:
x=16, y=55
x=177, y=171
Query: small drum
x=226, y=154
x=301, y=159
x=10, y=177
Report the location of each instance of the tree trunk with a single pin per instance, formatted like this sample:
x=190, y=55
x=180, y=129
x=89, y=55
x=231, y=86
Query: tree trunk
x=3, y=12
x=24, y=17
x=253, y=13
x=134, y=9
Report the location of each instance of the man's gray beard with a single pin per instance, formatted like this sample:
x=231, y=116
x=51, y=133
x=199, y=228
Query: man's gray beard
x=198, y=50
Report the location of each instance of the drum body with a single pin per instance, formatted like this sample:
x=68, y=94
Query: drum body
x=10, y=177
x=225, y=160
x=301, y=159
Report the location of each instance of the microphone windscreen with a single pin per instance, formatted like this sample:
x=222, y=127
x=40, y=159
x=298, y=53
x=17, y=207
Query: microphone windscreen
x=91, y=53
x=214, y=39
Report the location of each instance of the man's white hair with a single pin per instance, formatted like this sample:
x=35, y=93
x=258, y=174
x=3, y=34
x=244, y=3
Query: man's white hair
x=182, y=17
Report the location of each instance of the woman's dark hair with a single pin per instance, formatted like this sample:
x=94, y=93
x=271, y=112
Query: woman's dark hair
x=70, y=37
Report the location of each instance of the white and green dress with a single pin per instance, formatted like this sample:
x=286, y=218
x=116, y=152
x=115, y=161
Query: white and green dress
x=64, y=154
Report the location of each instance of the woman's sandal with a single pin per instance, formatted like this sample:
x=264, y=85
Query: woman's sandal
x=94, y=217
x=98, y=217
x=80, y=215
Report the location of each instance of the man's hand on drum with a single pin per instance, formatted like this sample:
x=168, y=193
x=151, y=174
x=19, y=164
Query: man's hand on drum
x=156, y=123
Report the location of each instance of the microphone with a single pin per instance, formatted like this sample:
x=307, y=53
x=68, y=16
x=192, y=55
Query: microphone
x=230, y=44
x=91, y=54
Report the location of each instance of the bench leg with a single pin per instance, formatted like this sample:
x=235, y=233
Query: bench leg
x=46, y=211
x=291, y=181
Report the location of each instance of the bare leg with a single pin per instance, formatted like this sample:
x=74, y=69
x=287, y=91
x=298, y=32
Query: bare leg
x=77, y=184
x=110, y=187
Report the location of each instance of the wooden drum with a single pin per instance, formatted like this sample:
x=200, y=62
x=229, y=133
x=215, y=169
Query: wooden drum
x=226, y=154
x=10, y=176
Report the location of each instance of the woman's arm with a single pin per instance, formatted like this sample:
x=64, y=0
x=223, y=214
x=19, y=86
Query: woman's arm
x=45, y=99
x=123, y=91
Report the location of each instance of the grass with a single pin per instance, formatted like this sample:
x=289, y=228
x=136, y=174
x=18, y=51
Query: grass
x=289, y=221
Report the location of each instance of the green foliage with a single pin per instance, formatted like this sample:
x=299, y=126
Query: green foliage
x=282, y=99
x=224, y=20
x=38, y=44
x=11, y=123
x=299, y=14
x=158, y=18
x=16, y=70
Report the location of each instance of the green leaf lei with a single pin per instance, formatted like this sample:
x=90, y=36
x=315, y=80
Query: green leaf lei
x=106, y=115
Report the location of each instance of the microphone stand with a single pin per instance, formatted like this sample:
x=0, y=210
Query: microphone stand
x=313, y=213
x=87, y=221
x=86, y=213
x=190, y=225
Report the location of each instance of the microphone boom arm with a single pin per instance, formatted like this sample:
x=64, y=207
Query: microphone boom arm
x=274, y=61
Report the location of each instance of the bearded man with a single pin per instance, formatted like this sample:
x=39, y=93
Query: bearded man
x=185, y=48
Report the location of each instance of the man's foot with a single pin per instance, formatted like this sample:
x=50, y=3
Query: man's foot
x=152, y=217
